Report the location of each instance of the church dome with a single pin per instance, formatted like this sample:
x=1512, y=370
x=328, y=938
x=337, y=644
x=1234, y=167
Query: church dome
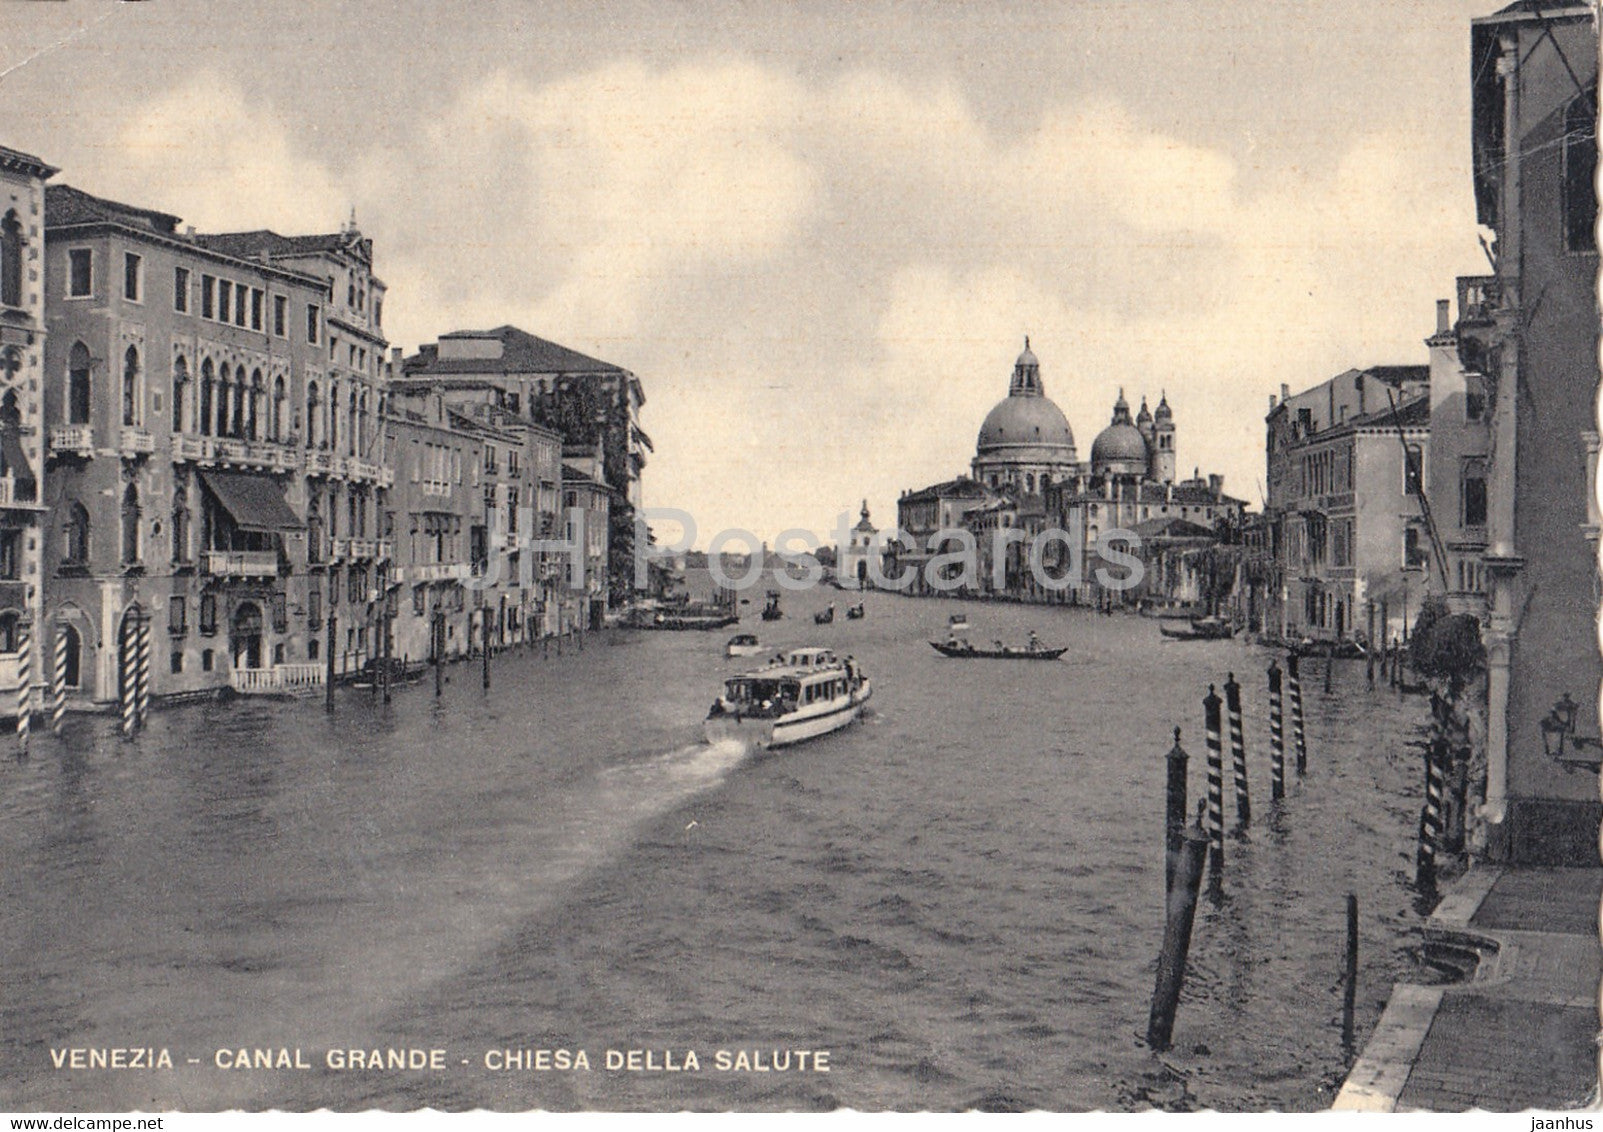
x=1026, y=417
x=1119, y=442
x=1031, y=420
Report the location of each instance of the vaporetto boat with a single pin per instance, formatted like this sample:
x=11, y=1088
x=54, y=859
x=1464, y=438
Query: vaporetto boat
x=800, y=694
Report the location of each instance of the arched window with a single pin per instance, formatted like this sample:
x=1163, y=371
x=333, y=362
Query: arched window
x=278, y=407
x=75, y=536
x=333, y=416
x=225, y=387
x=204, y=413
x=1029, y=482
x=257, y=394
x=351, y=421
x=180, y=392
x=314, y=528
x=313, y=429
x=180, y=523
x=241, y=391
x=130, y=526
x=130, y=387
x=11, y=260
x=78, y=392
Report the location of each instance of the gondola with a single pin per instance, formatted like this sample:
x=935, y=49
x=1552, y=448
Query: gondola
x=962, y=650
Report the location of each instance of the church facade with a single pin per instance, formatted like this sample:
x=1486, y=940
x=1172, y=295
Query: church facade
x=1026, y=478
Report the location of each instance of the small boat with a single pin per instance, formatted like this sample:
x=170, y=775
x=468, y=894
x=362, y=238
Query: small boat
x=771, y=611
x=743, y=644
x=856, y=612
x=826, y=616
x=964, y=650
x=801, y=694
x=1200, y=629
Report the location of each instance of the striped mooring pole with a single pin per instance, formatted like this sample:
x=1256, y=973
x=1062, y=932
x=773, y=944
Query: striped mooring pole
x=1216, y=804
x=1238, y=751
x=127, y=678
x=1174, y=810
x=58, y=682
x=1277, y=735
x=143, y=706
x=1430, y=818
x=1299, y=737
x=24, y=686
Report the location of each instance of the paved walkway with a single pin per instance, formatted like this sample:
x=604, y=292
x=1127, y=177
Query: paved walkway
x=1523, y=1031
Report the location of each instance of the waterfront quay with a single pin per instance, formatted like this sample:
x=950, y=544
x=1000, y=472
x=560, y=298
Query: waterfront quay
x=960, y=898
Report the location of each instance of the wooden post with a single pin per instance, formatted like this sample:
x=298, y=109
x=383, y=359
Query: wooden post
x=58, y=681
x=1216, y=816
x=143, y=653
x=1330, y=661
x=384, y=627
x=1174, y=810
x=1277, y=735
x=484, y=635
x=1298, y=735
x=1350, y=975
x=328, y=691
x=437, y=632
x=24, y=686
x=1238, y=751
x=1180, y=915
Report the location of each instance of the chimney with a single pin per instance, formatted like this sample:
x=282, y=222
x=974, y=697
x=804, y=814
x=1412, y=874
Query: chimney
x=1285, y=391
x=1444, y=308
x=1271, y=402
x=1216, y=484
x=189, y=230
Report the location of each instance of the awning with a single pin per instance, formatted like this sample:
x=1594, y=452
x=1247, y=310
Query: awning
x=256, y=502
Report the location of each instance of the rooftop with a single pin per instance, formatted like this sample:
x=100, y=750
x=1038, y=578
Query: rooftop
x=506, y=349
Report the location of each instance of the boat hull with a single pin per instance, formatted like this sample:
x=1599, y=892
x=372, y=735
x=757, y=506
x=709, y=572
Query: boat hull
x=796, y=727
x=742, y=650
x=962, y=652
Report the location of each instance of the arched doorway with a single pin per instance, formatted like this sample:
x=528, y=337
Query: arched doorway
x=245, y=636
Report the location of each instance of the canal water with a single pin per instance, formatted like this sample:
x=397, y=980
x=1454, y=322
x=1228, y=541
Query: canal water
x=960, y=898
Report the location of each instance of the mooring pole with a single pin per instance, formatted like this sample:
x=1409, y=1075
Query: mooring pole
x=1430, y=818
x=1350, y=975
x=484, y=632
x=1238, y=751
x=1298, y=734
x=1216, y=815
x=1330, y=661
x=385, y=622
x=328, y=690
x=1277, y=735
x=58, y=681
x=1174, y=810
x=1181, y=912
x=24, y=686
x=437, y=634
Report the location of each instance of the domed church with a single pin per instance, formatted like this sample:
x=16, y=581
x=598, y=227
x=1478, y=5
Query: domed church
x=1025, y=442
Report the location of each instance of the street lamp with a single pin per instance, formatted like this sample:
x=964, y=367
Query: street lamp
x=1558, y=731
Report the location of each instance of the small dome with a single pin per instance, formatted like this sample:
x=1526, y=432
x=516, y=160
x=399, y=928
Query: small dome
x=1119, y=444
x=1164, y=413
x=1027, y=358
x=1145, y=415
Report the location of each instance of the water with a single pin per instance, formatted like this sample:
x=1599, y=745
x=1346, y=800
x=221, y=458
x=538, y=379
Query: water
x=960, y=897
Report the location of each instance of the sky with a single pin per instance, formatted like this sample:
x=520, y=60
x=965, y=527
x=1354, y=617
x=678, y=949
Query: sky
x=818, y=232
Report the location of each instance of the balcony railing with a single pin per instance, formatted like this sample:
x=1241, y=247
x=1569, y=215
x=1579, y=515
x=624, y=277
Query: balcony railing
x=384, y=549
x=135, y=442
x=363, y=470
x=197, y=448
x=279, y=680
x=79, y=439
x=240, y=563
x=321, y=463
x=436, y=572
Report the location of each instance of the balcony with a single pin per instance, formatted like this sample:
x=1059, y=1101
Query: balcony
x=240, y=563
x=363, y=470
x=79, y=440
x=386, y=477
x=436, y=572
x=384, y=549
x=135, y=442
x=362, y=549
x=279, y=680
x=321, y=463
x=195, y=448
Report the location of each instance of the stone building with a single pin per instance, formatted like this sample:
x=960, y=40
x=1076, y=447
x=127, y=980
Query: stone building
x=23, y=328
x=584, y=399
x=851, y=562
x=201, y=478
x=1533, y=337
x=1347, y=514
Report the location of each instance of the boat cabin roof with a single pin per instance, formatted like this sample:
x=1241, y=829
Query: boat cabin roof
x=806, y=658
x=743, y=639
